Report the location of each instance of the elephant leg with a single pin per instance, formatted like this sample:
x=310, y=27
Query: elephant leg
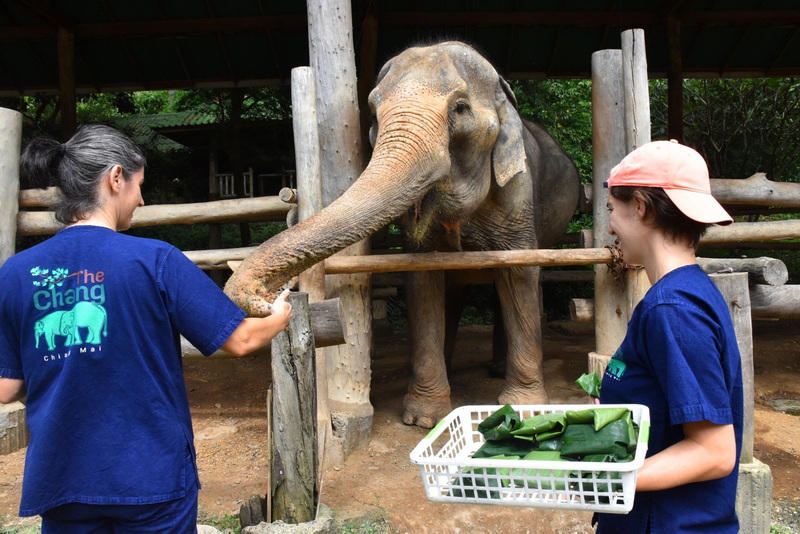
x=455, y=300
x=518, y=289
x=497, y=367
x=428, y=397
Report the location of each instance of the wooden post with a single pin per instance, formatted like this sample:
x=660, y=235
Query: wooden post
x=331, y=54
x=754, y=486
x=608, y=148
x=621, y=122
x=735, y=290
x=13, y=427
x=637, y=133
x=10, y=144
x=308, y=165
x=293, y=463
x=309, y=202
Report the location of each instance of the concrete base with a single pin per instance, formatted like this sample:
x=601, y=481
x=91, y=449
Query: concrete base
x=352, y=430
x=598, y=363
x=13, y=428
x=754, y=497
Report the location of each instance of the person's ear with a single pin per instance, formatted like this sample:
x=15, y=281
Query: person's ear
x=640, y=205
x=116, y=177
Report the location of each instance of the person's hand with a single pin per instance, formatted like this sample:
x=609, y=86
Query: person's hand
x=282, y=310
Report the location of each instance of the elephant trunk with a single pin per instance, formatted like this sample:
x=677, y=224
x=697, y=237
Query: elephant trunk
x=402, y=169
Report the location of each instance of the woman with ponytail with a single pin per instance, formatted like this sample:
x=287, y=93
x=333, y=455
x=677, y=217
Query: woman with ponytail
x=90, y=336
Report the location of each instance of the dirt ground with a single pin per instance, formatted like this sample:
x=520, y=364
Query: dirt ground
x=228, y=399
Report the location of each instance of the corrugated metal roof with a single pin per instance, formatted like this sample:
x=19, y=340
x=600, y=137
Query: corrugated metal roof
x=144, y=128
x=153, y=44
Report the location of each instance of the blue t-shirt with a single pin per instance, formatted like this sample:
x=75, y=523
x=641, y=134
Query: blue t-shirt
x=681, y=359
x=91, y=320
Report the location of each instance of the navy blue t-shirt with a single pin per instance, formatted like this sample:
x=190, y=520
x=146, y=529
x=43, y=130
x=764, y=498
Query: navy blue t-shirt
x=681, y=359
x=91, y=320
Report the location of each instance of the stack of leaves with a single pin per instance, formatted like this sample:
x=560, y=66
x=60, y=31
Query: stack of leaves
x=591, y=435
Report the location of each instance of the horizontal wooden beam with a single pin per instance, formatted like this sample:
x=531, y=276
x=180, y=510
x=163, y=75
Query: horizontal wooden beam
x=433, y=261
x=219, y=211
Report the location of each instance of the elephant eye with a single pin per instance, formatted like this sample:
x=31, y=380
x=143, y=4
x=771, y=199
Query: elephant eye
x=461, y=107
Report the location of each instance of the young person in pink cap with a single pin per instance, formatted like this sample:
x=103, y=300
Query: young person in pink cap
x=679, y=356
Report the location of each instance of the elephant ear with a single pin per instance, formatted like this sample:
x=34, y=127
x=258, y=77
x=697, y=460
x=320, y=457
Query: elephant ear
x=508, y=154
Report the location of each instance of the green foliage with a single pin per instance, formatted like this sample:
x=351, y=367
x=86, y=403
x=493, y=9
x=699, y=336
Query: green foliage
x=20, y=530
x=564, y=109
x=227, y=523
x=741, y=126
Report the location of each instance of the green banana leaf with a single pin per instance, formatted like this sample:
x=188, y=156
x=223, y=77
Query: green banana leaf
x=518, y=475
x=553, y=444
x=544, y=426
x=510, y=447
x=590, y=383
x=582, y=439
x=499, y=424
x=599, y=417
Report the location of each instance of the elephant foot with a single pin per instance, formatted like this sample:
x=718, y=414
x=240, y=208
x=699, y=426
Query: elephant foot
x=534, y=394
x=425, y=412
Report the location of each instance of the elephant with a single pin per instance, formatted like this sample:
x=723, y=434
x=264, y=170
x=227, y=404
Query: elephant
x=463, y=171
x=67, y=322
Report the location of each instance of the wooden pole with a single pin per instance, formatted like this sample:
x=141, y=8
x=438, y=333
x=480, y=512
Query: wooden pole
x=10, y=144
x=308, y=165
x=768, y=271
x=608, y=148
x=637, y=133
x=331, y=55
x=434, y=261
x=734, y=289
x=309, y=201
x=293, y=464
x=13, y=425
x=674, y=79
x=756, y=190
x=234, y=210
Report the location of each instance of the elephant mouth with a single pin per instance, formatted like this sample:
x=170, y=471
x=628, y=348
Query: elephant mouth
x=433, y=224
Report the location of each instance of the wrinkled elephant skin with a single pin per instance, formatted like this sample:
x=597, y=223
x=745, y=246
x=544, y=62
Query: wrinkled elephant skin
x=455, y=161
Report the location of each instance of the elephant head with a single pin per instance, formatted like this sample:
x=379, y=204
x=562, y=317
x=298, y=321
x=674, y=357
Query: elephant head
x=445, y=134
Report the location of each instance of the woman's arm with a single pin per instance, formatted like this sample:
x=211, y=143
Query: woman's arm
x=11, y=389
x=707, y=452
x=255, y=332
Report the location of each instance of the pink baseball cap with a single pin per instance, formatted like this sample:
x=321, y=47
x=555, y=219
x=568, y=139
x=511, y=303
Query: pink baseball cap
x=677, y=169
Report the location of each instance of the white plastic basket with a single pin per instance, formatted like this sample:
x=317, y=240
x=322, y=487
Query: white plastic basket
x=448, y=471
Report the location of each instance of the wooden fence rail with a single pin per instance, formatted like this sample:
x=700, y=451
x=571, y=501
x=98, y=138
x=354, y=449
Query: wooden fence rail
x=257, y=209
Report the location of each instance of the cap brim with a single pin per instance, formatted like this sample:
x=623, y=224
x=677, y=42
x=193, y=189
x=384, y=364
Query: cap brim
x=700, y=207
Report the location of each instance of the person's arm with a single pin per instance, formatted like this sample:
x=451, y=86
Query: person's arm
x=11, y=389
x=255, y=332
x=707, y=452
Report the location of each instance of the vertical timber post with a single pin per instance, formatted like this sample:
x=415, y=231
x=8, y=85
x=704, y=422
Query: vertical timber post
x=309, y=202
x=13, y=427
x=608, y=148
x=621, y=123
x=331, y=54
x=754, y=490
x=293, y=464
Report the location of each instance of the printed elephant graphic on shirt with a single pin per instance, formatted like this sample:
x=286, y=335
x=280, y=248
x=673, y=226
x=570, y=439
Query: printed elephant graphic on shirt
x=88, y=315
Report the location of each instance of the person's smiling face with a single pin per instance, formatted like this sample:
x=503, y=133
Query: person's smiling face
x=625, y=223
